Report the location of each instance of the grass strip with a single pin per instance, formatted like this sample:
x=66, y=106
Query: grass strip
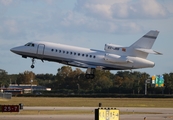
x=65, y=112
x=91, y=102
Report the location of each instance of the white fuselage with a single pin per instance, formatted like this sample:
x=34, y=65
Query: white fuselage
x=81, y=57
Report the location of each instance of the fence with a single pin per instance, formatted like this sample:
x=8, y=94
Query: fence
x=6, y=95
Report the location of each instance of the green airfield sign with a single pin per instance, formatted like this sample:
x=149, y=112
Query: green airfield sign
x=158, y=80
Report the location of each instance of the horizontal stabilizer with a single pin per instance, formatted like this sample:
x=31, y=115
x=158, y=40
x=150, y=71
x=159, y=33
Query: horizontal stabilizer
x=150, y=51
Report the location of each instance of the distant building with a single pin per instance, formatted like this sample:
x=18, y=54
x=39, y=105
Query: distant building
x=14, y=91
x=24, y=88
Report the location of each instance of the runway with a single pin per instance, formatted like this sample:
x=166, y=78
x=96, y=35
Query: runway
x=136, y=114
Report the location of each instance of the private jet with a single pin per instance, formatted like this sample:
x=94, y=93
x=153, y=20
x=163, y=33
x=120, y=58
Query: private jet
x=113, y=57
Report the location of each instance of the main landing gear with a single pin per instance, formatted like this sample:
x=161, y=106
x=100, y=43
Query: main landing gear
x=33, y=62
x=90, y=73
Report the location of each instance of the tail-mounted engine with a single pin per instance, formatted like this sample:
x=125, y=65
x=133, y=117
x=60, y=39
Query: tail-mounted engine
x=116, y=58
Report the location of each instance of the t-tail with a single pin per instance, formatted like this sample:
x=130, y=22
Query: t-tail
x=142, y=47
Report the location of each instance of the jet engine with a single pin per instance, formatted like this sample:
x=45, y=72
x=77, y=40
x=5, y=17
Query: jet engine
x=116, y=58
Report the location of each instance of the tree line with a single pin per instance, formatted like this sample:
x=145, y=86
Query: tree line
x=68, y=81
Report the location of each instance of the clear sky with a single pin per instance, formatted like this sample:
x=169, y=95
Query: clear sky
x=85, y=23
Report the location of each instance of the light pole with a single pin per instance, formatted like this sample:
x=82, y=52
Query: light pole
x=1, y=89
x=146, y=81
x=31, y=85
x=78, y=87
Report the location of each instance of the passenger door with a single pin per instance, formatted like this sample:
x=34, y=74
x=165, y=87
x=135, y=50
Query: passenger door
x=40, y=49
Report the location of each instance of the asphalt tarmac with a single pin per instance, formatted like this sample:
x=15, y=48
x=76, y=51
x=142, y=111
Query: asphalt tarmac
x=151, y=114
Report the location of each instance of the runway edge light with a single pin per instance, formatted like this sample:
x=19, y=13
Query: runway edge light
x=0, y=108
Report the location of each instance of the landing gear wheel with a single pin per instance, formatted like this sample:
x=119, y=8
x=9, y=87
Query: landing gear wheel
x=33, y=61
x=89, y=76
x=90, y=73
x=32, y=66
x=92, y=76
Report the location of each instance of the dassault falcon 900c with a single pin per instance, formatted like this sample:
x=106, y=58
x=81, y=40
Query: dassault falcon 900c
x=114, y=57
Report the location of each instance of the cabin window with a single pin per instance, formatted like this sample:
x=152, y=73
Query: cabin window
x=94, y=56
x=82, y=54
x=63, y=51
x=74, y=53
x=56, y=50
x=78, y=54
x=71, y=53
x=90, y=56
x=52, y=50
x=86, y=55
x=59, y=51
x=67, y=52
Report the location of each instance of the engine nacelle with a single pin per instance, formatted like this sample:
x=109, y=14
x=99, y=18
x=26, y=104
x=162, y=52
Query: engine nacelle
x=116, y=58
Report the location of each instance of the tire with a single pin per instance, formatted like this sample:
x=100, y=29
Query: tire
x=32, y=66
x=87, y=76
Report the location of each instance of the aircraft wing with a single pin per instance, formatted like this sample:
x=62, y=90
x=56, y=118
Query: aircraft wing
x=84, y=65
x=150, y=51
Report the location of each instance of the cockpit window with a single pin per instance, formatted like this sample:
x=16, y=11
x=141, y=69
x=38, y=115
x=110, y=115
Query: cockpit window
x=27, y=44
x=30, y=44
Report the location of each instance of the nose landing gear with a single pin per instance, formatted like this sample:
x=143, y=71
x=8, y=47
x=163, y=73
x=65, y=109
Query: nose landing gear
x=32, y=66
x=33, y=61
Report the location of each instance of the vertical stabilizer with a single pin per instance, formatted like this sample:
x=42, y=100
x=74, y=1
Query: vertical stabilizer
x=145, y=42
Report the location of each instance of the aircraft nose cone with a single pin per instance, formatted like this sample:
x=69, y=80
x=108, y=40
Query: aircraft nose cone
x=13, y=50
x=16, y=49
